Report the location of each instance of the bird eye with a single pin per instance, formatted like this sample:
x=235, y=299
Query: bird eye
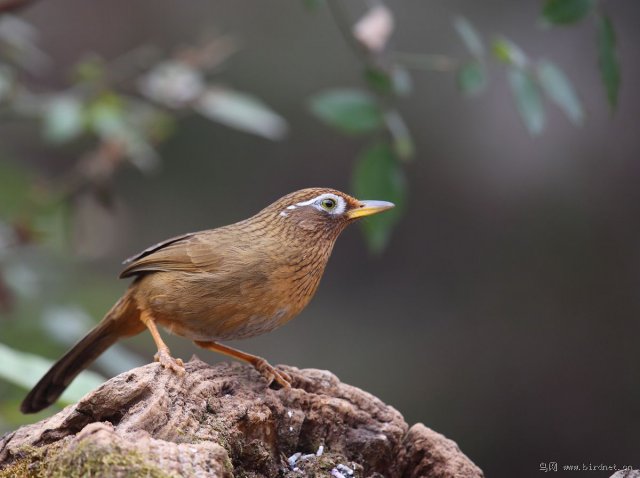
x=328, y=204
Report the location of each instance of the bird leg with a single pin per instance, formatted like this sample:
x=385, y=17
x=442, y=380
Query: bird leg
x=260, y=364
x=164, y=354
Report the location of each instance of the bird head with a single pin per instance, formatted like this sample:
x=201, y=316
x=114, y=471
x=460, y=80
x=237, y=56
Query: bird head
x=322, y=210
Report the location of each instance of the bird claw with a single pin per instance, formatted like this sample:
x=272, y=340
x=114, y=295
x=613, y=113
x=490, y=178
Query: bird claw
x=281, y=378
x=176, y=365
x=272, y=375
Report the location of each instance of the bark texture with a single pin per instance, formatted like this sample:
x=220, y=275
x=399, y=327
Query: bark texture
x=221, y=421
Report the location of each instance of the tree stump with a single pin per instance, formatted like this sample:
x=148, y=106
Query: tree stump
x=222, y=421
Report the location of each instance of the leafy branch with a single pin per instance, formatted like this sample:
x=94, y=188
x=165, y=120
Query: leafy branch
x=370, y=110
x=110, y=115
x=117, y=113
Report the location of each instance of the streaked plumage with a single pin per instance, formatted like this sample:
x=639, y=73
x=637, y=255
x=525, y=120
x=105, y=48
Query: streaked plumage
x=232, y=282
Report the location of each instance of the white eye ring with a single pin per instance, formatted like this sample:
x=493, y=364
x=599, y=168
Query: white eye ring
x=330, y=203
x=321, y=202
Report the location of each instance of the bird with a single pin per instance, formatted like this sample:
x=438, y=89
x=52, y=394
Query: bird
x=229, y=283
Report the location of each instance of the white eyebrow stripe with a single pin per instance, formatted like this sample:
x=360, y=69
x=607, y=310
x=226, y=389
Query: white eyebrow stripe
x=340, y=203
x=307, y=203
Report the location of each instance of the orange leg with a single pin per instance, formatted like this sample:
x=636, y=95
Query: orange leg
x=164, y=354
x=260, y=364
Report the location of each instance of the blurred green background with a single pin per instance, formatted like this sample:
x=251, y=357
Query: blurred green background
x=503, y=311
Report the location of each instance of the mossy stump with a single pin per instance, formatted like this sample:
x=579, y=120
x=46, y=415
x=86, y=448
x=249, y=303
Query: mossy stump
x=221, y=421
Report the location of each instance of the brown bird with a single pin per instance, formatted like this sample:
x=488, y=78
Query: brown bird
x=228, y=283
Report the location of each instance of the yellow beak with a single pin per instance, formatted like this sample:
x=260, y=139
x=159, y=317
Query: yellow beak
x=367, y=208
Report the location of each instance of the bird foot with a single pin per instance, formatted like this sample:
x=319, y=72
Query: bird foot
x=176, y=365
x=271, y=374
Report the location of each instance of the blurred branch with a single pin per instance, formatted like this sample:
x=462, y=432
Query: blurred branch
x=417, y=61
x=126, y=106
x=342, y=21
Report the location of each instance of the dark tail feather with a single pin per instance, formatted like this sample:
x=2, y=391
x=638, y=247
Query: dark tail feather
x=120, y=321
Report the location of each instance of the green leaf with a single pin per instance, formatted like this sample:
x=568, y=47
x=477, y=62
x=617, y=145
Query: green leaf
x=528, y=100
x=379, y=80
x=89, y=70
x=348, y=110
x=508, y=52
x=15, y=185
x=559, y=90
x=472, y=78
x=566, y=11
x=608, y=60
x=469, y=36
x=24, y=370
x=107, y=116
x=242, y=112
x=63, y=119
x=378, y=175
x=402, y=141
x=401, y=79
x=397, y=81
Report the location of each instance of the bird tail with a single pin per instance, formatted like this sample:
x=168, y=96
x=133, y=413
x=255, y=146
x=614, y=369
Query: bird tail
x=120, y=321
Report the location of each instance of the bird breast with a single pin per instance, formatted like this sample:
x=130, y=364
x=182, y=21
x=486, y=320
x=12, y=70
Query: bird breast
x=241, y=299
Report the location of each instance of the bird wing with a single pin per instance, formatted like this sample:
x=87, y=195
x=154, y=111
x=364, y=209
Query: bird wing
x=192, y=252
